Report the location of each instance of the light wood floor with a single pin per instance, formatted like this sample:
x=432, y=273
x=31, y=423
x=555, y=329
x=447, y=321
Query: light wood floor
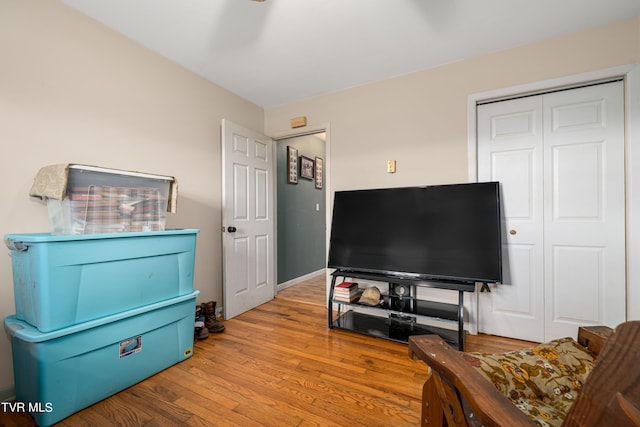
x=277, y=365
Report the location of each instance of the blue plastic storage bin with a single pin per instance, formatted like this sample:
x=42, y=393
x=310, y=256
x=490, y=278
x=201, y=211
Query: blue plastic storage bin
x=61, y=372
x=59, y=281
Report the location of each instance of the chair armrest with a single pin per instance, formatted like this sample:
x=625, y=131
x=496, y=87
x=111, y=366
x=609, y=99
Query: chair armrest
x=594, y=337
x=611, y=394
x=488, y=405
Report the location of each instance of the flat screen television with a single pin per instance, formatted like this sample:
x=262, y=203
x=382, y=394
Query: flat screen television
x=442, y=232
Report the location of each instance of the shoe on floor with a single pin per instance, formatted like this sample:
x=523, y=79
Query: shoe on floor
x=210, y=320
x=200, y=332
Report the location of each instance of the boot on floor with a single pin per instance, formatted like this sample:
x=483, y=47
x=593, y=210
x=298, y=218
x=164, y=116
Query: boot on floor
x=199, y=329
x=210, y=320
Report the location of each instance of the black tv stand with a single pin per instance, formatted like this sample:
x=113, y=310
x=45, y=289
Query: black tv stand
x=400, y=311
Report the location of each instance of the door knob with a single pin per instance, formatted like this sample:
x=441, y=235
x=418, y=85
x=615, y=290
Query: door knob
x=512, y=232
x=231, y=229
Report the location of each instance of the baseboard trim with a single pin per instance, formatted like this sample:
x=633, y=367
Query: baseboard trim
x=300, y=279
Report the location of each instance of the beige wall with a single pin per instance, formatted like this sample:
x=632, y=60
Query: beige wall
x=421, y=119
x=73, y=91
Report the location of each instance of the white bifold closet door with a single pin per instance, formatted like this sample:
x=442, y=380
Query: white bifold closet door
x=560, y=160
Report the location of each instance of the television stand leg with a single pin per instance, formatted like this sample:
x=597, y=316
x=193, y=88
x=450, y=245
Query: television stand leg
x=461, y=320
x=330, y=303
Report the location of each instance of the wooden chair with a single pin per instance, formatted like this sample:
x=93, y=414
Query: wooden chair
x=456, y=394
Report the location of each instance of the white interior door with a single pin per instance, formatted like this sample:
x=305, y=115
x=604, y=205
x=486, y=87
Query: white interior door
x=247, y=217
x=510, y=152
x=584, y=228
x=560, y=159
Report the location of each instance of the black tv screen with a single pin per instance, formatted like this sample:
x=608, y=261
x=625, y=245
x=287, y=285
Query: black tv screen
x=443, y=232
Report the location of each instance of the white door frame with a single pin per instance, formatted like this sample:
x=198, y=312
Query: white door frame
x=290, y=133
x=631, y=75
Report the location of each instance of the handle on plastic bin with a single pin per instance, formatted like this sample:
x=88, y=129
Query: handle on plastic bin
x=12, y=328
x=16, y=246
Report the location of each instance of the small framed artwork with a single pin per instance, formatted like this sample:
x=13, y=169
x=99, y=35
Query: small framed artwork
x=318, y=174
x=306, y=167
x=292, y=165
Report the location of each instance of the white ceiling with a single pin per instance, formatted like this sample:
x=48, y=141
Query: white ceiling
x=280, y=51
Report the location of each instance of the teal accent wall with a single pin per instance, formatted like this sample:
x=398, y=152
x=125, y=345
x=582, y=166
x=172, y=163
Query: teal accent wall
x=301, y=227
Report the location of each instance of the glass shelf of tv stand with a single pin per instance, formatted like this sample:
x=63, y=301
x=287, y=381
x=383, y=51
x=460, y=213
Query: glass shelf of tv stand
x=411, y=307
x=398, y=325
x=394, y=329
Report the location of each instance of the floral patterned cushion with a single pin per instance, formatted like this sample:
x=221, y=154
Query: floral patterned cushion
x=542, y=381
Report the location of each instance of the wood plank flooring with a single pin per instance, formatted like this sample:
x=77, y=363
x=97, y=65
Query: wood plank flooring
x=277, y=365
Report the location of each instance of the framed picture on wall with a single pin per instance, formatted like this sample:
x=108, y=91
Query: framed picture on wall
x=318, y=173
x=306, y=167
x=292, y=165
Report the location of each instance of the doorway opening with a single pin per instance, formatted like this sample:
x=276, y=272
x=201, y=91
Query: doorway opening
x=301, y=208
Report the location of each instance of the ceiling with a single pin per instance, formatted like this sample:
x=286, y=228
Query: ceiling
x=280, y=51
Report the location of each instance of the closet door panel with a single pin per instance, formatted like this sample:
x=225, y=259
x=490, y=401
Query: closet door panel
x=584, y=230
x=510, y=152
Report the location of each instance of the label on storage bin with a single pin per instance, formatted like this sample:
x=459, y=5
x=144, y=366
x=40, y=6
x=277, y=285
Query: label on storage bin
x=130, y=346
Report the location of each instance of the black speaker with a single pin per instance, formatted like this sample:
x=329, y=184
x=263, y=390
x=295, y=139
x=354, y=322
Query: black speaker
x=402, y=291
x=401, y=298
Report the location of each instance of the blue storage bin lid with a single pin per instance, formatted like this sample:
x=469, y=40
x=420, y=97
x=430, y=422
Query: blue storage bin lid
x=28, y=333
x=10, y=239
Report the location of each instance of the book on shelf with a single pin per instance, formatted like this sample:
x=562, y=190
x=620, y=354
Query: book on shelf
x=350, y=298
x=346, y=292
x=346, y=285
x=350, y=301
x=346, y=288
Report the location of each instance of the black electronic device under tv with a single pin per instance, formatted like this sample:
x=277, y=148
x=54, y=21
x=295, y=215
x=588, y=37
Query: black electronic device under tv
x=441, y=232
